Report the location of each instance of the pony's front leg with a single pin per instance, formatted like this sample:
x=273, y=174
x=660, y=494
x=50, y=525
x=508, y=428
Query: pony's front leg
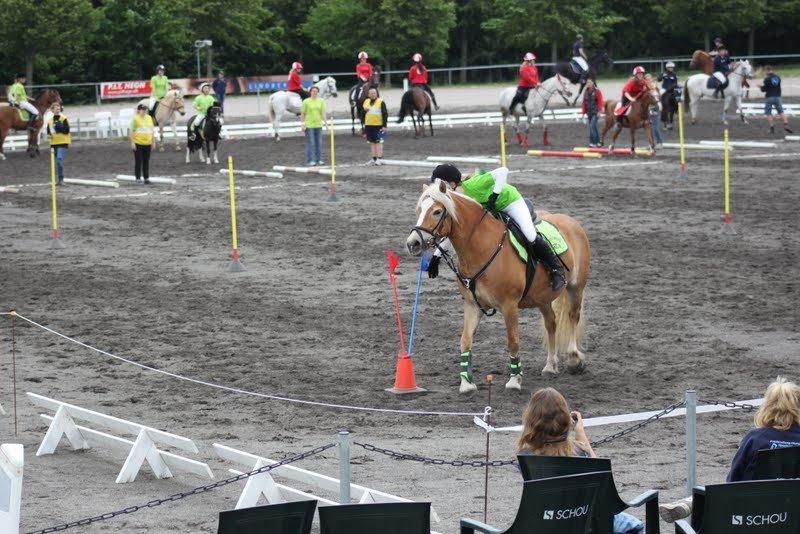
x=175, y=134
x=188, y=154
x=526, y=137
x=549, y=316
x=216, y=159
x=511, y=316
x=472, y=318
x=161, y=138
x=208, y=152
x=741, y=110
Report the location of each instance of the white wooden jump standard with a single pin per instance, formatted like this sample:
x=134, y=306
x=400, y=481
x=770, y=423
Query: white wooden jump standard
x=154, y=179
x=139, y=451
x=695, y=146
x=743, y=144
x=404, y=163
x=254, y=173
x=12, y=459
x=792, y=138
x=5, y=189
x=459, y=159
x=264, y=484
x=98, y=183
x=315, y=170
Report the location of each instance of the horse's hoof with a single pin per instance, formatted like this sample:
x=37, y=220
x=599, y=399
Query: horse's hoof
x=515, y=382
x=549, y=372
x=161, y=149
x=178, y=148
x=576, y=369
x=466, y=386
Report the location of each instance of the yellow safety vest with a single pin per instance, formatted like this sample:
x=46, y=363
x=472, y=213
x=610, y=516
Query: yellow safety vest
x=374, y=113
x=57, y=138
x=142, y=128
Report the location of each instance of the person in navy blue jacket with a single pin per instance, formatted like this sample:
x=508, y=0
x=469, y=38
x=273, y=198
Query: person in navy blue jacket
x=772, y=91
x=777, y=426
x=722, y=66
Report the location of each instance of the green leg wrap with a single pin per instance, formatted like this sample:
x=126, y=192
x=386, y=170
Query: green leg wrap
x=466, y=365
x=514, y=366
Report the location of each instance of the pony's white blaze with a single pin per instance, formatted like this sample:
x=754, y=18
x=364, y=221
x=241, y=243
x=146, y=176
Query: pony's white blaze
x=424, y=205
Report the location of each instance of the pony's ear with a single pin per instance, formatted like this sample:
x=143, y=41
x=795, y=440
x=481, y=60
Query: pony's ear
x=442, y=186
x=424, y=187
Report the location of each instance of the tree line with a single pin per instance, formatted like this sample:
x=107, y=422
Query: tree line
x=60, y=41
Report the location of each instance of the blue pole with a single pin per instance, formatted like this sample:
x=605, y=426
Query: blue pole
x=423, y=266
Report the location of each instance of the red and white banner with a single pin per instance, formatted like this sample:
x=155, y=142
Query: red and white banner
x=125, y=89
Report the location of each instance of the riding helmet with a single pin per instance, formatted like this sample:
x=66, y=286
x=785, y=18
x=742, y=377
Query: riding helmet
x=579, y=37
x=417, y=57
x=638, y=69
x=363, y=55
x=670, y=65
x=20, y=75
x=297, y=65
x=160, y=67
x=530, y=56
x=446, y=172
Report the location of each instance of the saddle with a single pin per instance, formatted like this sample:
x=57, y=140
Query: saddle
x=575, y=67
x=714, y=83
x=621, y=111
x=515, y=234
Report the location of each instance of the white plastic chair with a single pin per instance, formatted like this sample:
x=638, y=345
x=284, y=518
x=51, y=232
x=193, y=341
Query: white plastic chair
x=124, y=120
x=103, y=119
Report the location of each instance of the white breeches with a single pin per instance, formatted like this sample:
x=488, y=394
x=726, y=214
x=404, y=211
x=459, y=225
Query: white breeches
x=582, y=62
x=30, y=108
x=153, y=101
x=197, y=118
x=720, y=76
x=518, y=210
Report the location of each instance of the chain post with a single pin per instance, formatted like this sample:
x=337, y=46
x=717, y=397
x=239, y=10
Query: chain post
x=489, y=379
x=343, y=444
x=14, y=364
x=691, y=440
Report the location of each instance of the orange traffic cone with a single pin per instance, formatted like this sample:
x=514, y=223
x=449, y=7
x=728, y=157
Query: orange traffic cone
x=404, y=381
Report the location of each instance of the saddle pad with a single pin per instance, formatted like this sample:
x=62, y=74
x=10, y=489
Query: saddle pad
x=550, y=233
x=24, y=114
x=713, y=83
x=575, y=67
x=619, y=110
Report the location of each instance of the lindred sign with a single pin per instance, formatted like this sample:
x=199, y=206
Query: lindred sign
x=130, y=89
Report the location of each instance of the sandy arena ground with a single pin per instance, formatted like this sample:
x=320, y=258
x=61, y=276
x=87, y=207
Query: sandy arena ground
x=672, y=304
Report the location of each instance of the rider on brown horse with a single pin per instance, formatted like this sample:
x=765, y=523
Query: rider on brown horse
x=18, y=97
x=491, y=190
x=631, y=92
x=418, y=75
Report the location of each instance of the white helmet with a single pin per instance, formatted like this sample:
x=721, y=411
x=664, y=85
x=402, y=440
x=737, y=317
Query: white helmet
x=416, y=58
x=638, y=69
x=363, y=55
x=297, y=65
x=204, y=85
x=160, y=67
x=670, y=65
x=530, y=56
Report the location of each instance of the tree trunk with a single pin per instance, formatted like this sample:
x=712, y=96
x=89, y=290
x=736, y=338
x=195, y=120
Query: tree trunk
x=464, y=51
x=554, y=53
x=29, y=57
x=751, y=43
x=707, y=39
x=210, y=62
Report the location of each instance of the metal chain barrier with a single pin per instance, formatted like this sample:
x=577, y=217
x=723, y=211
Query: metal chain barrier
x=433, y=461
x=641, y=424
x=183, y=494
x=730, y=404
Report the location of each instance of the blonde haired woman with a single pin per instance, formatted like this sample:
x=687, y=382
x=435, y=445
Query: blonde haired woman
x=547, y=430
x=777, y=426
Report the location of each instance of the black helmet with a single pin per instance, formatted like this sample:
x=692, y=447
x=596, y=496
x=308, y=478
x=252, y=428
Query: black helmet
x=20, y=75
x=446, y=172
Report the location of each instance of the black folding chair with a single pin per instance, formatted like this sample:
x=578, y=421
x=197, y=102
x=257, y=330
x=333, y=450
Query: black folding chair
x=379, y=518
x=777, y=463
x=608, y=504
x=559, y=505
x=286, y=518
x=761, y=506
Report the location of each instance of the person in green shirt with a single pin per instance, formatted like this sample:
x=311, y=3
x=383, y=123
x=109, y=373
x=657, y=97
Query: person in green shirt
x=491, y=190
x=312, y=116
x=202, y=103
x=159, y=85
x=17, y=96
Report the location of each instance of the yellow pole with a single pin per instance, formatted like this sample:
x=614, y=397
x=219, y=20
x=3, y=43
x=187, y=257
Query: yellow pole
x=681, y=141
x=332, y=197
x=503, y=145
x=236, y=265
x=54, y=197
x=728, y=218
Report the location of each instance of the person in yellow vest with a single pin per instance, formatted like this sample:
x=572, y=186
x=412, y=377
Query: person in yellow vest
x=60, y=138
x=141, y=136
x=375, y=121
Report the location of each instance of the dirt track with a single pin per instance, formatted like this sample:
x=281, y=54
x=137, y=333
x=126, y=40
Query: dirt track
x=671, y=304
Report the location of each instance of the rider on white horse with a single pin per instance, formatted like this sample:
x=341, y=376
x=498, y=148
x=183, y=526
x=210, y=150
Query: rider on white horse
x=722, y=67
x=295, y=84
x=159, y=85
x=528, y=79
x=202, y=103
x=18, y=97
x=579, y=56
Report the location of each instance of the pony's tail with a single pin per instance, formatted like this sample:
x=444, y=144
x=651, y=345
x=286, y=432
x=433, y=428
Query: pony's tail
x=564, y=327
x=405, y=104
x=270, y=113
x=686, y=94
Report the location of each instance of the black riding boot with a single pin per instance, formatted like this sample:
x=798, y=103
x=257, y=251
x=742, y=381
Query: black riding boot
x=541, y=250
x=32, y=122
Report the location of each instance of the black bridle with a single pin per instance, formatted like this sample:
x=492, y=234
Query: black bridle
x=470, y=282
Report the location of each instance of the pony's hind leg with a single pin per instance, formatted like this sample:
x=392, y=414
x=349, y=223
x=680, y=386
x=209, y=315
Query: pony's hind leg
x=472, y=318
x=549, y=317
x=511, y=316
x=576, y=361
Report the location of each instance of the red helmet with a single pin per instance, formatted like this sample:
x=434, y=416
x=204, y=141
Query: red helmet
x=297, y=65
x=530, y=56
x=638, y=69
x=363, y=55
x=416, y=58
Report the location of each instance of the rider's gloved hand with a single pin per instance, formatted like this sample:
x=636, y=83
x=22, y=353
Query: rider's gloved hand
x=490, y=204
x=433, y=267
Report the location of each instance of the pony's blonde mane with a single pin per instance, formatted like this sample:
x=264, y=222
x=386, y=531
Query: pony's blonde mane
x=432, y=192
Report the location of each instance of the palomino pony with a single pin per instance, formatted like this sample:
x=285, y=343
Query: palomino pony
x=165, y=114
x=212, y=126
x=416, y=102
x=10, y=119
x=491, y=274
x=638, y=116
x=697, y=88
x=357, y=96
x=536, y=104
x=565, y=69
x=281, y=102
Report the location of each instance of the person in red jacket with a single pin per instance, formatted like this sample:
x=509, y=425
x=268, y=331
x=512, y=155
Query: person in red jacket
x=591, y=106
x=363, y=68
x=418, y=75
x=528, y=79
x=295, y=84
x=631, y=91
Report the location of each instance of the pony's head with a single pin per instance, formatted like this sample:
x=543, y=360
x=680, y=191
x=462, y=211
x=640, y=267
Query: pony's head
x=602, y=58
x=746, y=68
x=436, y=213
x=47, y=98
x=175, y=101
x=327, y=87
x=215, y=115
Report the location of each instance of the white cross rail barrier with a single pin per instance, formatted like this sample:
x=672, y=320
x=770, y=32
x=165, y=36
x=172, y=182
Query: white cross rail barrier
x=268, y=174
x=265, y=485
x=153, y=179
x=793, y=138
x=409, y=163
x=12, y=459
x=144, y=449
x=306, y=170
x=4, y=189
x=695, y=146
x=94, y=183
x=755, y=108
x=461, y=159
x=743, y=144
